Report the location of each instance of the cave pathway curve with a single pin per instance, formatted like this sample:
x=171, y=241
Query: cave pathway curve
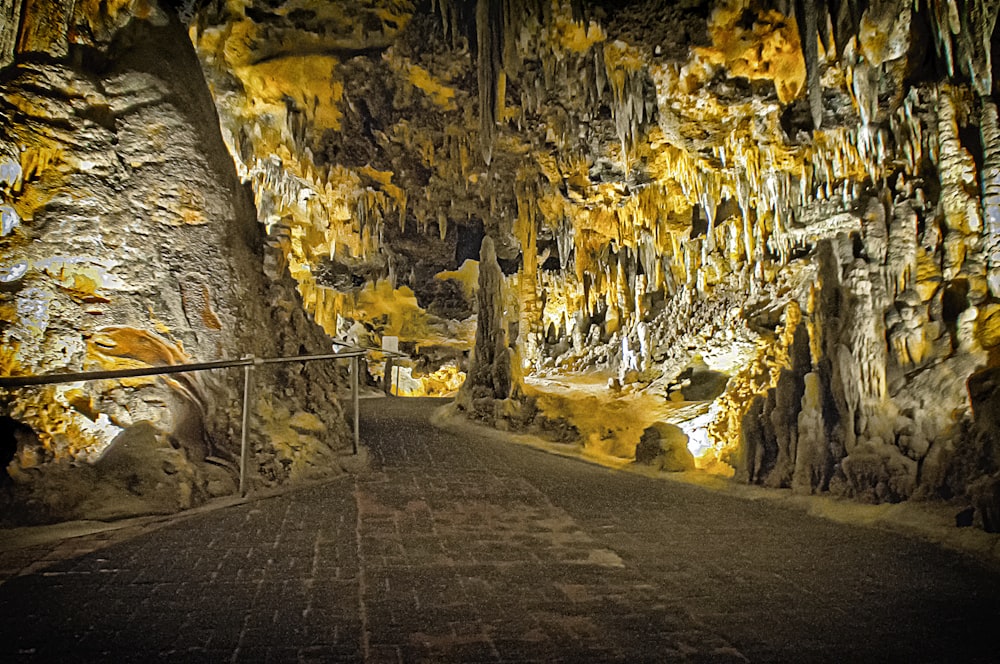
x=463, y=548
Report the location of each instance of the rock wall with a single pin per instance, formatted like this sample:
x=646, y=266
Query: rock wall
x=800, y=196
x=803, y=190
x=128, y=241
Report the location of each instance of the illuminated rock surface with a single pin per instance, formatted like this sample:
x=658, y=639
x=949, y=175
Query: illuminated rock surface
x=801, y=198
x=132, y=244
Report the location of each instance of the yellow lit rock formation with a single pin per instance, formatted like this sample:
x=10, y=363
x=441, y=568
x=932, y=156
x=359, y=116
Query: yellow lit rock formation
x=773, y=225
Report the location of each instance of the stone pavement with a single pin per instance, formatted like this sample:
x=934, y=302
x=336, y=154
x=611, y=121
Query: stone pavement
x=459, y=548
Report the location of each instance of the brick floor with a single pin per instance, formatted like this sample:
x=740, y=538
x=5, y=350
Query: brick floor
x=458, y=548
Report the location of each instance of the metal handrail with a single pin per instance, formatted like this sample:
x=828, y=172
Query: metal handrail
x=248, y=362
x=373, y=349
x=73, y=377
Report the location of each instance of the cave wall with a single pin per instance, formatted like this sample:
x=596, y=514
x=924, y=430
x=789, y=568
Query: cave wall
x=129, y=241
x=809, y=187
x=806, y=191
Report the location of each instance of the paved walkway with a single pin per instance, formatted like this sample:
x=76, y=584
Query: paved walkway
x=464, y=549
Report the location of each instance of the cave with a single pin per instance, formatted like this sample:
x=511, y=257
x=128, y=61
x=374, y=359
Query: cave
x=755, y=242
x=8, y=444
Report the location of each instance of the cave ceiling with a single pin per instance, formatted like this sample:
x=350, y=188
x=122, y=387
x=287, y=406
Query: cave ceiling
x=366, y=142
x=615, y=152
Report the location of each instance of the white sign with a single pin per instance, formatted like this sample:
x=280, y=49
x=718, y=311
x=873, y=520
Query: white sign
x=390, y=344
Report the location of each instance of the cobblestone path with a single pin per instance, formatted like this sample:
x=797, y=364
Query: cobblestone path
x=460, y=548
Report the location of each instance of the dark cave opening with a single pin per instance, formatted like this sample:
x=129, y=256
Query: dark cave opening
x=9, y=428
x=954, y=300
x=469, y=240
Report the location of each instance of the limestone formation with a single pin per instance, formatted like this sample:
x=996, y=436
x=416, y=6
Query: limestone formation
x=802, y=194
x=128, y=242
x=664, y=447
x=494, y=371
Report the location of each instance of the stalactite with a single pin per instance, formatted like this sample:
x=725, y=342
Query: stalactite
x=452, y=14
x=908, y=132
x=945, y=21
x=627, y=78
x=962, y=35
x=845, y=16
x=978, y=19
x=489, y=35
x=512, y=13
x=807, y=17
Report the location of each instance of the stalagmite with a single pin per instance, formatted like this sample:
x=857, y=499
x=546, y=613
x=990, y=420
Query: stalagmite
x=812, y=459
x=492, y=374
x=958, y=186
x=902, y=249
x=990, y=132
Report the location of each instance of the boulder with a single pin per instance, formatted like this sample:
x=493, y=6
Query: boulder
x=985, y=495
x=664, y=447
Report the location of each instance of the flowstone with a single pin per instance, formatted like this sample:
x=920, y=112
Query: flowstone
x=135, y=246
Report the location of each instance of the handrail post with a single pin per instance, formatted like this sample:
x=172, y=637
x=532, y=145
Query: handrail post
x=354, y=398
x=244, y=429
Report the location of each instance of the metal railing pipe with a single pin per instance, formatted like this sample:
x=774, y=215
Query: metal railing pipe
x=74, y=376
x=310, y=358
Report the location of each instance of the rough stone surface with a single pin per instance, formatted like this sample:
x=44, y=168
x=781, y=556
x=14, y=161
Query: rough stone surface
x=664, y=447
x=140, y=249
x=985, y=494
